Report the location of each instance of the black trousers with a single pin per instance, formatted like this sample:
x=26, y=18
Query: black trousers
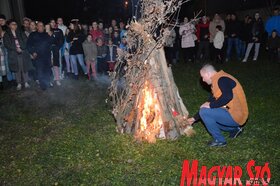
x=102, y=65
x=44, y=72
x=55, y=52
x=203, y=50
x=219, y=55
x=170, y=54
x=188, y=54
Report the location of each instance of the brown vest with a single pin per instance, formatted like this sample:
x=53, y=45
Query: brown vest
x=237, y=107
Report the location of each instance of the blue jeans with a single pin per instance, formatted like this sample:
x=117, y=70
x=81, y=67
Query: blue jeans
x=235, y=42
x=80, y=58
x=242, y=48
x=217, y=120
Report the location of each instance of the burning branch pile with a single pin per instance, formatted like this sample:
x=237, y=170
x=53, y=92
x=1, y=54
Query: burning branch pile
x=145, y=98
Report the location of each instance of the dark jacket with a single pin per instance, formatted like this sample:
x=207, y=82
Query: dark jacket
x=257, y=30
x=114, y=53
x=9, y=43
x=233, y=27
x=245, y=33
x=40, y=43
x=102, y=51
x=76, y=45
x=58, y=37
x=273, y=43
x=202, y=30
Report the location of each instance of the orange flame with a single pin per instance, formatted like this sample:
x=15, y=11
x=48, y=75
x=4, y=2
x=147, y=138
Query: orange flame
x=150, y=121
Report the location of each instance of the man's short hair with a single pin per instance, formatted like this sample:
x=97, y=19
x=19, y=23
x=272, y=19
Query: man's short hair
x=2, y=16
x=208, y=68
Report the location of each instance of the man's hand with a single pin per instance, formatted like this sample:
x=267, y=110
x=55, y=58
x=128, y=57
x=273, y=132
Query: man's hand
x=19, y=50
x=205, y=105
x=34, y=55
x=191, y=120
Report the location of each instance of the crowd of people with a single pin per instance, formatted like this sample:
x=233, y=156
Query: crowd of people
x=217, y=39
x=48, y=53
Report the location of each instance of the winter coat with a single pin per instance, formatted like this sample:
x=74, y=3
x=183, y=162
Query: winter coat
x=188, y=37
x=219, y=40
x=9, y=43
x=40, y=43
x=96, y=34
x=245, y=32
x=76, y=45
x=233, y=29
x=202, y=30
x=90, y=50
x=212, y=28
x=273, y=43
x=169, y=39
x=257, y=31
x=3, y=70
x=102, y=51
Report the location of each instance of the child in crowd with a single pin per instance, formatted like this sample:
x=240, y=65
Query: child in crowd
x=90, y=51
x=273, y=46
x=123, y=44
x=102, y=66
x=218, y=43
x=116, y=38
x=111, y=55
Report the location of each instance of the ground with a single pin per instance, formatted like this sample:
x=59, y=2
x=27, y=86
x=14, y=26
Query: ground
x=67, y=135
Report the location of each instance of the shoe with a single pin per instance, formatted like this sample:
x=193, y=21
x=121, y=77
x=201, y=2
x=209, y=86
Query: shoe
x=58, y=83
x=255, y=59
x=38, y=82
x=19, y=86
x=227, y=59
x=51, y=84
x=244, y=60
x=216, y=143
x=235, y=133
x=26, y=85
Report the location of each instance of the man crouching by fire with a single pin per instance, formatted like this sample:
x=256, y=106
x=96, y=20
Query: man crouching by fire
x=226, y=109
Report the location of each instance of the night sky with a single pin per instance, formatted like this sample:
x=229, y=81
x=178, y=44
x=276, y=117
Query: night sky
x=89, y=10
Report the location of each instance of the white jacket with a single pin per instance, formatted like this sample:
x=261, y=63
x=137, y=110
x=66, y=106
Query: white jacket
x=188, y=37
x=219, y=40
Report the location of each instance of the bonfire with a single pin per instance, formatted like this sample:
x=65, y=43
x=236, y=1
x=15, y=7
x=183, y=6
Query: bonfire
x=145, y=98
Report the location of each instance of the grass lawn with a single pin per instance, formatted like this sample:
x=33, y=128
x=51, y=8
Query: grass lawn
x=67, y=136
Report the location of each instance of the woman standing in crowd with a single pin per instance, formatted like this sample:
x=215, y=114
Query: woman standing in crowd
x=169, y=41
x=102, y=65
x=111, y=55
x=217, y=20
x=203, y=39
x=66, y=55
x=76, y=37
x=90, y=50
x=256, y=37
x=233, y=30
x=2, y=59
x=58, y=37
x=95, y=32
x=187, y=30
x=18, y=57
